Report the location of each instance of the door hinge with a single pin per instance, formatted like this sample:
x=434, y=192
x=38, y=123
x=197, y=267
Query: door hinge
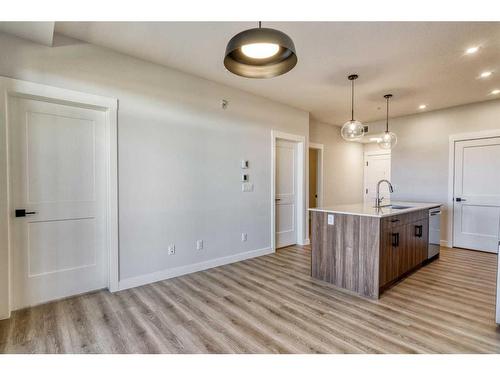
x=367, y=164
x=366, y=191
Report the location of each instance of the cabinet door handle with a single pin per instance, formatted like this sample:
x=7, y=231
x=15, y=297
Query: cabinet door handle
x=395, y=239
x=418, y=230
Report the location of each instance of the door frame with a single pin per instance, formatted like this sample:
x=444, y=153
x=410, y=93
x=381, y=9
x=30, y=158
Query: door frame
x=451, y=174
x=13, y=87
x=366, y=155
x=320, y=177
x=321, y=150
x=301, y=185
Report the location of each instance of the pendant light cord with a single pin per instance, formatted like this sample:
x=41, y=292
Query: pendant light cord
x=352, y=100
x=387, y=117
x=260, y=24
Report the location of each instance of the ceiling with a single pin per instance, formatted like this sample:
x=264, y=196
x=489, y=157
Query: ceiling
x=418, y=62
x=39, y=32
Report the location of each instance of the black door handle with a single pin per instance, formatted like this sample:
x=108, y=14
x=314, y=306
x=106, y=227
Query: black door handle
x=460, y=199
x=22, y=212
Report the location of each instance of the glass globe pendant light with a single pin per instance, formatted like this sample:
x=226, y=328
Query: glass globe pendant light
x=352, y=130
x=260, y=53
x=389, y=139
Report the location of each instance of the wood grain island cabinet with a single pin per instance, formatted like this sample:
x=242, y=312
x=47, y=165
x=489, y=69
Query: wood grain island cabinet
x=366, y=250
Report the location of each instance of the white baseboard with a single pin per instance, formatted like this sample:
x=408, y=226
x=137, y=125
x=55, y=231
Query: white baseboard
x=149, y=278
x=444, y=243
x=307, y=241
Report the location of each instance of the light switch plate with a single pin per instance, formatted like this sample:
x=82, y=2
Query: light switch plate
x=331, y=219
x=247, y=187
x=199, y=244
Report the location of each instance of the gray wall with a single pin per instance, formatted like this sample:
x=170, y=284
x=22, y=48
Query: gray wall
x=420, y=159
x=343, y=165
x=179, y=152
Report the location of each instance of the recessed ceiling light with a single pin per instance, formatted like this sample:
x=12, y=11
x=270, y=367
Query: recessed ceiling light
x=422, y=106
x=471, y=50
x=495, y=92
x=486, y=74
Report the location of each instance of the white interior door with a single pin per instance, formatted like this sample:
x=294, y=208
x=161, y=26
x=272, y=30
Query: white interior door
x=476, y=207
x=377, y=167
x=57, y=171
x=286, y=193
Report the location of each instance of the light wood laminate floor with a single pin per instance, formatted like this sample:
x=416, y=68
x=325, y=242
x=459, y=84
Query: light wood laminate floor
x=271, y=305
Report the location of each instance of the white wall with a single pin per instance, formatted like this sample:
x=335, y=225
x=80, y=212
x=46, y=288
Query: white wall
x=420, y=159
x=343, y=165
x=179, y=152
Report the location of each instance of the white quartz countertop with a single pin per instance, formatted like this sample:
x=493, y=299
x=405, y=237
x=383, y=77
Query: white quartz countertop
x=362, y=209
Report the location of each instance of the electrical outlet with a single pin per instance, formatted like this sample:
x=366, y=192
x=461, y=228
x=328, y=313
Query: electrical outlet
x=243, y=237
x=331, y=220
x=199, y=244
x=171, y=249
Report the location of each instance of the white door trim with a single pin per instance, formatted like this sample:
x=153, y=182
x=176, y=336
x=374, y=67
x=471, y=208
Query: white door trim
x=376, y=152
x=451, y=172
x=14, y=87
x=301, y=185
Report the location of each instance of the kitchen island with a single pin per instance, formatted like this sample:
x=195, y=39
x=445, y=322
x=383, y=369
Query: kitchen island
x=365, y=249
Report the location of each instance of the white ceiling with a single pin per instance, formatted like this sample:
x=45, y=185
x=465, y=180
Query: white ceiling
x=39, y=32
x=418, y=62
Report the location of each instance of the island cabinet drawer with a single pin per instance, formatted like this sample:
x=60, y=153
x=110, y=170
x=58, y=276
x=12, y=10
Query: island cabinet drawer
x=403, y=219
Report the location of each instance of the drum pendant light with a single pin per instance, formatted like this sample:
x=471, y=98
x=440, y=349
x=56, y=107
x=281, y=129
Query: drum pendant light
x=260, y=53
x=352, y=130
x=389, y=139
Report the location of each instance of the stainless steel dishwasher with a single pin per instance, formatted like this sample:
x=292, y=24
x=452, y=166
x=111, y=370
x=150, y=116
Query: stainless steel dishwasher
x=434, y=233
